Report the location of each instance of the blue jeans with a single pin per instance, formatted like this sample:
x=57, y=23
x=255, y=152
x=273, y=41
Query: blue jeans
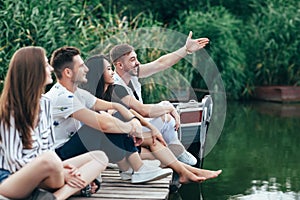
x=4, y=174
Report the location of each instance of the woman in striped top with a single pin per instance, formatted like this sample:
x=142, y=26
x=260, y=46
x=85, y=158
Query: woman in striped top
x=26, y=135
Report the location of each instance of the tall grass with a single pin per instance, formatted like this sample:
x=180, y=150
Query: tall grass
x=272, y=43
x=53, y=24
x=261, y=48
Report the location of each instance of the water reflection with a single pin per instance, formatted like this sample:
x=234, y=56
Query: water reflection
x=262, y=190
x=277, y=109
x=258, y=152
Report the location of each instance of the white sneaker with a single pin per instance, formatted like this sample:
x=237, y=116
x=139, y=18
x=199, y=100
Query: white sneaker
x=112, y=166
x=187, y=158
x=126, y=175
x=154, y=163
x=149, y=173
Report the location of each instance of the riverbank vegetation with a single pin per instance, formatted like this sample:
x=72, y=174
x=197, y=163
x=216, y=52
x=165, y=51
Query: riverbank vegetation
x=252, y=42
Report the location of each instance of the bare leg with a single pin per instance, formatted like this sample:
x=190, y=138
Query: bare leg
x=135, y=161
x=123, y=165
x=46, y=169
x=208, y=174
x=187, y=173
x=146, y=154
x=90, y=165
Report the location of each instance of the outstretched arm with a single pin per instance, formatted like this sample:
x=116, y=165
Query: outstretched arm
x=170, y=59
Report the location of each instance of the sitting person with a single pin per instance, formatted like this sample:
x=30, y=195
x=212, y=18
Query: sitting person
x=128, y=71
x=105, y=88
x=27, y=157
x=79, y=120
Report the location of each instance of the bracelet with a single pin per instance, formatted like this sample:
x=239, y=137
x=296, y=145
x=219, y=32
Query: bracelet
x=187, y=51
x=134, y=117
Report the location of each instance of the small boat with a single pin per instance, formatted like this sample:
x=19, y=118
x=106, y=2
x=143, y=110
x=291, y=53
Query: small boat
x=278, y=93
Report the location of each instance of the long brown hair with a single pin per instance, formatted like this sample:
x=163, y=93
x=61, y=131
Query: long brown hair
x=23, y=87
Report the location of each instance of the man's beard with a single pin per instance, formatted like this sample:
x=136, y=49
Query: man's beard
x=134, y=71
x=79, y=81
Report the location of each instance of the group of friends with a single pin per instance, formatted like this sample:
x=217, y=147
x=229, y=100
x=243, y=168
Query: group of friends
x=56, y=144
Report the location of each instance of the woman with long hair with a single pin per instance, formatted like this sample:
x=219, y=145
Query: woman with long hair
x=102, y=85
x=27, y=158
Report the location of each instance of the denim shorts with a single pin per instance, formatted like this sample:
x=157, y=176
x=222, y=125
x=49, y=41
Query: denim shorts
x=4, y=174
x=115, y=146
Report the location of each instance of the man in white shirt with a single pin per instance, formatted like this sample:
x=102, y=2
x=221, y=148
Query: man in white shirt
x=129, y=70
x=80, y=119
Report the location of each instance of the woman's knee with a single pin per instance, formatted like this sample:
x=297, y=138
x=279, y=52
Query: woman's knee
x=99, y=156
x=51, y=162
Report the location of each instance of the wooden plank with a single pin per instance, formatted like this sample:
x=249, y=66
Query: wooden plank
x=112, y=187
x=133, y=196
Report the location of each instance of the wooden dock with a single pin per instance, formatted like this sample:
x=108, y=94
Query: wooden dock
x=195, y=129
x=112, y=187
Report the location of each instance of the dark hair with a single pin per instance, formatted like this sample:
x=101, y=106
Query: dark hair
x=24, y=84
x=95, y=75
x=63, y=58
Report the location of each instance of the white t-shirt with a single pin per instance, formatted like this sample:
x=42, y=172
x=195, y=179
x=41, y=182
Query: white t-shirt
x=64, y=104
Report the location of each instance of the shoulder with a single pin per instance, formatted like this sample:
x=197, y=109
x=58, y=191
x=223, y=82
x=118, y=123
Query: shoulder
x=59, y=93
x=85, y=97
x=119, y=92
x=45, y=99
x=120, y=89
x=118, y=80
x=83, y=92
x=45, y=103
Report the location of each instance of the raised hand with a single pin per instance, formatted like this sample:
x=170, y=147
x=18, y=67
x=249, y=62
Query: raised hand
x=193, y=45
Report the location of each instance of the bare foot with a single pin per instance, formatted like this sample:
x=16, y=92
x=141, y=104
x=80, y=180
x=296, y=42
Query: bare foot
x=188, y=177
x=208, y=174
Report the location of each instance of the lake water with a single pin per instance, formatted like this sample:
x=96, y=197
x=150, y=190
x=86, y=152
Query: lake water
x=259, y=152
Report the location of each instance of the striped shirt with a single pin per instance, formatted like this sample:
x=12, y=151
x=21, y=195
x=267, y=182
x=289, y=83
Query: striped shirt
x=13, y=155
